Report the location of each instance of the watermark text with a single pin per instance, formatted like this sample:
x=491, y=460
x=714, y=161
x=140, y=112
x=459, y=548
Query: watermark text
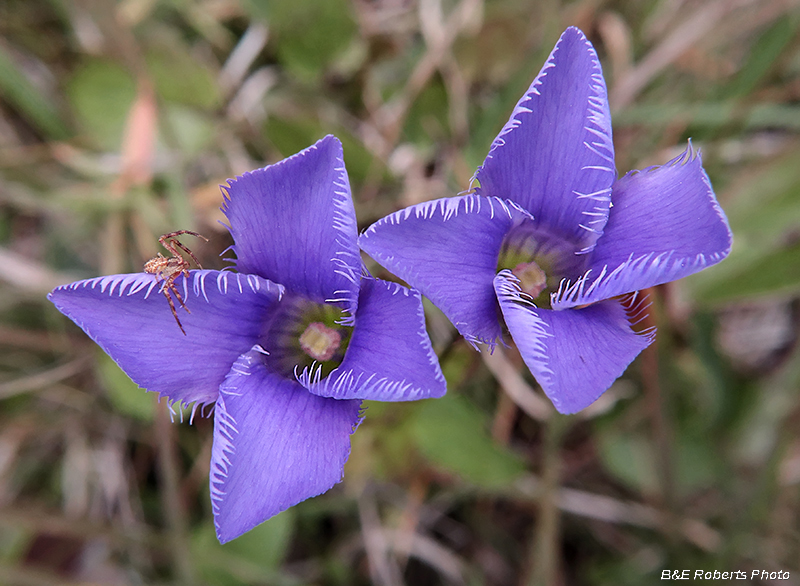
x=719, y=575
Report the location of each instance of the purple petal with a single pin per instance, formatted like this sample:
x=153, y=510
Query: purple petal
x=275, y=444
x=665, y=224
x=131, y=320
x=555, y=156
x=390, y=357
x=448, y=249
x=294, y=224
x=575, y=354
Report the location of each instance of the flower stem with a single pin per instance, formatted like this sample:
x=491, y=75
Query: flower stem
x=545, y=554
x=171, y=501
x=662, y=431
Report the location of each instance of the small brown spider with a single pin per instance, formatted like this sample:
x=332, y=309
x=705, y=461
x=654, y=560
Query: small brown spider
x=168, y=269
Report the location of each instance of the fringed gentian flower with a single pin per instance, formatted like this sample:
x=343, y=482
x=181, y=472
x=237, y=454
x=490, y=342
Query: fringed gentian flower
x=285, y=349
x=551, y=238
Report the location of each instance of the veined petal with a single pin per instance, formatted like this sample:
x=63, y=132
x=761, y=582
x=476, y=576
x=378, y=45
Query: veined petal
x=275, y=445
x=575, y=354
x=555, y=156
x=294, y=223
x=390, y=357
x=665, y=224
x=129, y=318
x=448, y=249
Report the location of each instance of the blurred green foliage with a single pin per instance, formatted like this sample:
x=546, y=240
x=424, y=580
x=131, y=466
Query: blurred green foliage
x=452, y=434
x=100, y=94
x=693, y=460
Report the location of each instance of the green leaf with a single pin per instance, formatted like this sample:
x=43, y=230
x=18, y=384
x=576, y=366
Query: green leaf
x=762, y=57
x=773, y=274
x=126, y=396
x=267, y=544
x=629, y=457
x=101, y=94
x=358, y=160
x=180, y=78
x=451, y=433
x=427, y=121
x=697, y=464
x=310, y=34
x=290, y=136
x=255, y=557
x=190, y=129
x=767, y=206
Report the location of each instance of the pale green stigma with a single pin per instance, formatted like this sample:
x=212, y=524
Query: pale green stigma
x=320, y=342
x=532, y=279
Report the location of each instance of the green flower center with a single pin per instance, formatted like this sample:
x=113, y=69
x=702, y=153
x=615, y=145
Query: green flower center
x=306, y=336
x=532, y=279
x=539, y=260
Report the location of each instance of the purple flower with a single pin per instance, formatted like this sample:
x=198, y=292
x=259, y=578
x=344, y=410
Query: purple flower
x=551, y=238
x=286, y=348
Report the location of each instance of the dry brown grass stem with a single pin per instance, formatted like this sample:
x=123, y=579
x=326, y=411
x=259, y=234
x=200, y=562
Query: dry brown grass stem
x=383, y=568
x=611, y=510
x=440, y=33
x=171, y=500
x=515, y=386
x=44, y=379
x=698, y=24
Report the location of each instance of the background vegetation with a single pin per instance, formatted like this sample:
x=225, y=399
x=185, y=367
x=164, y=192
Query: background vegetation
x=118, y=121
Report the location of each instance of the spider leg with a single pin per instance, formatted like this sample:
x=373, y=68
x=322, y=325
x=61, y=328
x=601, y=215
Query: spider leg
x=178, y=233
x=169, y=241
x=189, y=252
x=170, y=284
x=166, y=291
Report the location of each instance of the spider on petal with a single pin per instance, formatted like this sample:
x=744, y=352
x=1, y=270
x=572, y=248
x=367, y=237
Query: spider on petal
x=167, y=269
x=286, y=346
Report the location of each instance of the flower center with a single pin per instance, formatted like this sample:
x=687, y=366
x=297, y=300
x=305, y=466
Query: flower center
x=539, y=260
x=319, y=341
x=532, y=279
x=304, y=336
